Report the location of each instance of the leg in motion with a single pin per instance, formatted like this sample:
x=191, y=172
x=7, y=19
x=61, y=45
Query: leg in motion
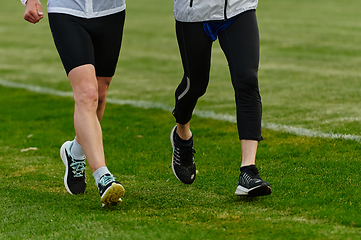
x=195, y=50
x=90, y=99
x=89, y=57
x=110, y=190
x=249, y=182
x=240, y=43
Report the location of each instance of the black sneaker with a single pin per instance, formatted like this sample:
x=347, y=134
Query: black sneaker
x=111, y=191
x=183, y=164
x=251, y=184
x=74, y=178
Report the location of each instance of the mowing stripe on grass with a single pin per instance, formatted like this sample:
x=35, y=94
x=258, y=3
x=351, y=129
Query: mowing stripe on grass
x=199, y=113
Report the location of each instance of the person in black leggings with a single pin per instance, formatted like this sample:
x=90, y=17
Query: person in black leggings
x=239, y=40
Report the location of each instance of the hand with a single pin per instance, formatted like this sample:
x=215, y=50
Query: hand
x=33, y=11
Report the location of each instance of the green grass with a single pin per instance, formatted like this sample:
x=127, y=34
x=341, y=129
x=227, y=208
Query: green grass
x=310, y=56
x=315, y=188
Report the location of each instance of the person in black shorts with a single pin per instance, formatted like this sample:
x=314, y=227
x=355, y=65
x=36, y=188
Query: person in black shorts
x=88, y=42
x=197, y=27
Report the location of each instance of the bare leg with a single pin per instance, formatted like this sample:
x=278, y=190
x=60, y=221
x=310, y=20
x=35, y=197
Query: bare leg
x=249, y=149
x=86, y=114
x=103, y=86
x=183, y=131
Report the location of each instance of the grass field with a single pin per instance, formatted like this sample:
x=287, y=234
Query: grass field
x=309, y=79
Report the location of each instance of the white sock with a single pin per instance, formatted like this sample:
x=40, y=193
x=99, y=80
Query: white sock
x=76, y=150
x=99, y=173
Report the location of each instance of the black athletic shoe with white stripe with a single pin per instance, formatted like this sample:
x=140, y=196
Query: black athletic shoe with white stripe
x=251, y=184
x=183, y=165
x=74, y=178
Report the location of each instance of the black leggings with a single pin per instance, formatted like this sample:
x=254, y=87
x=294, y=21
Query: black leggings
x=240, y=43
x=95, y=41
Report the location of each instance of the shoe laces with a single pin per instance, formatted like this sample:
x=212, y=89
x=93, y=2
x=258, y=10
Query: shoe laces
x=78, y=167
x=106, y=179
x=186, y=155
x=251, y=173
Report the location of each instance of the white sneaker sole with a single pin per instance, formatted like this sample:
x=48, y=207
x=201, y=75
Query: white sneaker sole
x=261, y=190
x=113, y=195
x=242, y=191
x=171, y=141
x=65, y=161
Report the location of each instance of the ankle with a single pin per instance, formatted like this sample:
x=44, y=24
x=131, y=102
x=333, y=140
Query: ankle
x=184, y=131
x=99, y=173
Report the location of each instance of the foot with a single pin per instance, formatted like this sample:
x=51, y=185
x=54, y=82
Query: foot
x=183, y=165
x=74, y=178
x=111, y=191
x=251, y=184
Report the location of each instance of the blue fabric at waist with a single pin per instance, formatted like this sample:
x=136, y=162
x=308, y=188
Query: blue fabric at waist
x=212, y=28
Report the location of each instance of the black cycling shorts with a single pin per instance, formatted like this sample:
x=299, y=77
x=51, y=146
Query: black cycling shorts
x=95, y=41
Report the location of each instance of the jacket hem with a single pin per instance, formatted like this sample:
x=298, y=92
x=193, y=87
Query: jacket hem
x=84, y=14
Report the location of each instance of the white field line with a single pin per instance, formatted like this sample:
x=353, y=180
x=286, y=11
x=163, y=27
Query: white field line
x=199, y=113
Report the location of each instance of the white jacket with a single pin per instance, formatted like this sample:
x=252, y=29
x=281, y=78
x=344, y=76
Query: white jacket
x=210, y=10
x=85, y=8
